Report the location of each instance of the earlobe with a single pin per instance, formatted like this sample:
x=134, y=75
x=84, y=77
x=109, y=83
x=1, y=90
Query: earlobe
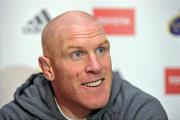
x=46, y=66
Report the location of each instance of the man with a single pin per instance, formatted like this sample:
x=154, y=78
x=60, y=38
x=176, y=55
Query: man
x=77, y=82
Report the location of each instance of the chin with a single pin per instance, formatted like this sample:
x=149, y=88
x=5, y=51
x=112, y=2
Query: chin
x=98, y=103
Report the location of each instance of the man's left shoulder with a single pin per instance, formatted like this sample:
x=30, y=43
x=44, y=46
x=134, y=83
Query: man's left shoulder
x=130, y=91
x=139, y=104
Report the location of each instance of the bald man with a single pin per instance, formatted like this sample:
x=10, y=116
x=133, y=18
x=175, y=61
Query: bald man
x=77, y=81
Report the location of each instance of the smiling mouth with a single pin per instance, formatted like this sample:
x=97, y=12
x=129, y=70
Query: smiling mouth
x=94, y=83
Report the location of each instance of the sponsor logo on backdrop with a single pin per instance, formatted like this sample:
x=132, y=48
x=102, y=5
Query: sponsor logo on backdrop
x=174, y=26
x=37, y=23
x=116, y=21
x=172, y=78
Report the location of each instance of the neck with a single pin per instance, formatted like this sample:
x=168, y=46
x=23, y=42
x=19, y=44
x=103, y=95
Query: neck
x=73, y=112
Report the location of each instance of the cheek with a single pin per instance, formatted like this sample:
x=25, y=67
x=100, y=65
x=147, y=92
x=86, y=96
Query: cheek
x=68, y=69
x=106, y=62
x=75, y=69
x=74, y=73
x=70, y=74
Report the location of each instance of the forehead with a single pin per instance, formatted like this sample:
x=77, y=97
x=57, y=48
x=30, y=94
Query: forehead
x=82, y=36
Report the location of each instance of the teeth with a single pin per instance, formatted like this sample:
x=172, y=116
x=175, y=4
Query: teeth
x=93, y=84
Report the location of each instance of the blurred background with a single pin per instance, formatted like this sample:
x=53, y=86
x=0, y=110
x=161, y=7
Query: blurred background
x=144, y=37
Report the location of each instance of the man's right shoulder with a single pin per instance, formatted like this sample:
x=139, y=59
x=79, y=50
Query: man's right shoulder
x=12, y=111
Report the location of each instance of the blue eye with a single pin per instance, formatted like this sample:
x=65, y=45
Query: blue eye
x=100, y=50
x=76, y=55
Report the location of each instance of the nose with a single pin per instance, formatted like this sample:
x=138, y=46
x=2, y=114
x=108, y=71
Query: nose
x=93, y=64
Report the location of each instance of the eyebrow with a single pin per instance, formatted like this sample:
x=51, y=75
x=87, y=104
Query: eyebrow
x=105, y=42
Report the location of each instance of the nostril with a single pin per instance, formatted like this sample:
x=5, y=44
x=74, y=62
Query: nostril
x=92, y=69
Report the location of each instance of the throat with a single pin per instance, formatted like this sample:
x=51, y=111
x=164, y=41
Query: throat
x=69, y=114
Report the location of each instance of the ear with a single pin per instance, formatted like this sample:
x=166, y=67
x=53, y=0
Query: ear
x=46, y=66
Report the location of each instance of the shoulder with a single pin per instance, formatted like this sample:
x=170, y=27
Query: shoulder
x=12, y=111
x=132, y=103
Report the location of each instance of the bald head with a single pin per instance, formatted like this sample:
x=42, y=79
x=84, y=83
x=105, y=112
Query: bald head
x=64, y=24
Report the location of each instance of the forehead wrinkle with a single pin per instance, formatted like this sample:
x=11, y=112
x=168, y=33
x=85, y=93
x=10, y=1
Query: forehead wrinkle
x=89, y=34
